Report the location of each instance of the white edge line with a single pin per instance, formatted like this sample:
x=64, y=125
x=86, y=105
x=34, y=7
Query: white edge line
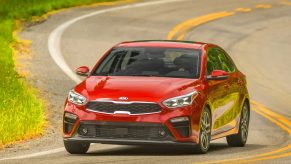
x=52, y=151
x=54, y=39
x=54, y=42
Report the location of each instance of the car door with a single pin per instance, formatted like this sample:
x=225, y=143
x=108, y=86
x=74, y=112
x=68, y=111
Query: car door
x=217, y=92
x=233, y=89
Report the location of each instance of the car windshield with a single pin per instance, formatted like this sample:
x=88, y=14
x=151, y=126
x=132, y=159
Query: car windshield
x=150, y=61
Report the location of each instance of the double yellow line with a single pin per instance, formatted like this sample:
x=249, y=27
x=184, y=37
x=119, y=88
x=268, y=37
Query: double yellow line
x=181, y=29
x=280, y=121
x=285, y=2
x=277, y=119
x=179, y=32
x=258, y=157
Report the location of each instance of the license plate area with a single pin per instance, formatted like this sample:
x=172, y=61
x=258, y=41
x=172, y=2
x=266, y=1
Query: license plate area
x=121, y=131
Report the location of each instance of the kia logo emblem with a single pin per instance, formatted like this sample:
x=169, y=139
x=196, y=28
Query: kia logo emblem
x=123, y=98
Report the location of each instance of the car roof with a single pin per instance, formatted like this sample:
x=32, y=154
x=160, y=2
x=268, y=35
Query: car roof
x=162, y=43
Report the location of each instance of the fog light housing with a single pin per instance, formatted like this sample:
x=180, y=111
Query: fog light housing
x=179, y=119
x=70, y=117
x=162, y=132
x=83, y=131
x=69, y=120
x=181, y=125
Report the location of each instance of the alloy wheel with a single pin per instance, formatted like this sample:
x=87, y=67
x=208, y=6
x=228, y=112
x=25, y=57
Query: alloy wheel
x=244, y=124
x=205, y=130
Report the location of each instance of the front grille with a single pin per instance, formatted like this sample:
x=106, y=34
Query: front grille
x=138, y=131
x=132, y=108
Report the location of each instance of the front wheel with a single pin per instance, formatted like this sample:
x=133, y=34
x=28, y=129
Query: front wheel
x=240, y=139
x=205, y=132
x=76, y=147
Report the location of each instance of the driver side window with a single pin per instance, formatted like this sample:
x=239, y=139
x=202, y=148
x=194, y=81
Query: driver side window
x=213, y=62
x=226, y=64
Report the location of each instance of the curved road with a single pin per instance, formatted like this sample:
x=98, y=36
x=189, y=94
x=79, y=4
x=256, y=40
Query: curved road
x=257, y=36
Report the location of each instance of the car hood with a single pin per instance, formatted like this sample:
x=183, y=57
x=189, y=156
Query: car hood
x=153, y=89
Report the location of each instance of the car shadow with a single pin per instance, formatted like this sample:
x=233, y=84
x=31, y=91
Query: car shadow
x=216, y=148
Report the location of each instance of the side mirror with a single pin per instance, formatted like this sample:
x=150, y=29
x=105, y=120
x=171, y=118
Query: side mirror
x=218, y=75
x=82, y=71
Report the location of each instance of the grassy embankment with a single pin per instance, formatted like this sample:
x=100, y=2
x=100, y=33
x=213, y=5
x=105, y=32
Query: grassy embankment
x=21, y=111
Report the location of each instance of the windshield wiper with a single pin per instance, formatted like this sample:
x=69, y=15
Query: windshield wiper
x=101, y=74
x=148, y=75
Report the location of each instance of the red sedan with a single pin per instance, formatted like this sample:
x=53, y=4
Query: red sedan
x=158, y=92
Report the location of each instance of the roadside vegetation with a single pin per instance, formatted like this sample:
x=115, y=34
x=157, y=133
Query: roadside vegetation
x=21, y=110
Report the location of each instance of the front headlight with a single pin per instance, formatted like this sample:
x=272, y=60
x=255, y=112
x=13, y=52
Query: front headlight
x=180, y=101
x=76, y=98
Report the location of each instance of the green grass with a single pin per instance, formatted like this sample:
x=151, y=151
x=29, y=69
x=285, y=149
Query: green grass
x=21, y=111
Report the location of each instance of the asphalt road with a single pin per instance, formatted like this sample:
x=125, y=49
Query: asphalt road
x=257, y=37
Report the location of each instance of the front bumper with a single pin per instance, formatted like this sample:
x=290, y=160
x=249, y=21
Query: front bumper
x=140, y=129
x=128, y=141
x=124, y=133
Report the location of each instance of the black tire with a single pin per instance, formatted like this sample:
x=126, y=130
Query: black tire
x=240, y=139
x=76, y=147
x=205, y=132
